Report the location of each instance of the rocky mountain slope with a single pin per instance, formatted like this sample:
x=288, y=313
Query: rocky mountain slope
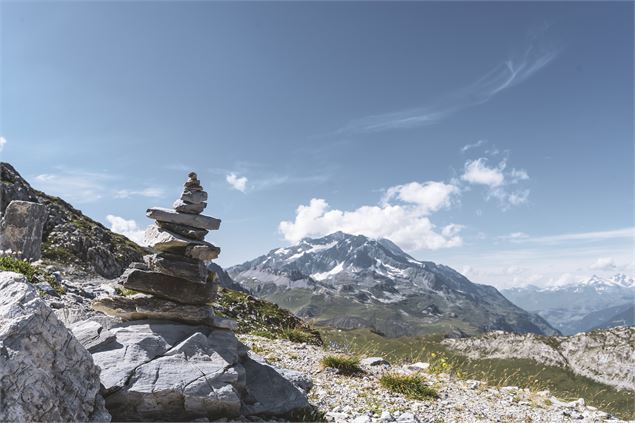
x=606, y=356
x=69, y=236
x=351, y=281
x=579, y=307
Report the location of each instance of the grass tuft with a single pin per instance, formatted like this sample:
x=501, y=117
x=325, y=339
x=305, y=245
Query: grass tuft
x=411, y=386
x=33, y=274
x=344, y=364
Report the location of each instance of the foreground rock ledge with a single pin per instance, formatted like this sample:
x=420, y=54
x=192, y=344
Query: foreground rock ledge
x=159, y=370
x=45, y=373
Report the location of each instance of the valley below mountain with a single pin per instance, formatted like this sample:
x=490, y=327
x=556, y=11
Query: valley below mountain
x=597, y=302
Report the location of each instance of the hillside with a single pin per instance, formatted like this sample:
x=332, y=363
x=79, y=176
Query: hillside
x=606, y=355
x=350, y=282
x=69, y=236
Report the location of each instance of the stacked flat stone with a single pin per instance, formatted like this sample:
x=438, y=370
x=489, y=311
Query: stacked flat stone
x=175, y=276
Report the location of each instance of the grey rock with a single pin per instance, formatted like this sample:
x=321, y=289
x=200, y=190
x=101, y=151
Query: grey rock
x=184, y=230
x=300, y=380
x=202, y=252
x=187, y=207
x=162, y=371
x=45, y=373
x=374, y=361
x=163, y=240
x=141, y=307
x=179, y=266
x=265, y=387
x=91, y=334
x=386, y=417
x=172, y=216
x=194, y=196
x=169, y=287
x=138, y=265
x=21, y=229
x=407, y=418
x=44, y=286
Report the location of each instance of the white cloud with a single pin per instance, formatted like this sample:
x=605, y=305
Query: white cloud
x=3, y=142
x=405, y=224
x=430, y=196
x=477, y=144
x=152, y=192
x=477, y=172
x=127, y=228
x=238, y=183
x=498, y=181
x=517, y=175
x=603, y=263
x=514, y=235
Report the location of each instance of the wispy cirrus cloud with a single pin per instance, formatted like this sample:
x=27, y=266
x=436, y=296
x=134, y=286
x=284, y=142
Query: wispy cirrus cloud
x=81, y=186
x=150, y=192
x=508, y=73
x=578, y=236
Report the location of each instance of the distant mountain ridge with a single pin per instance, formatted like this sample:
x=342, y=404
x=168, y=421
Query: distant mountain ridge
x=578, y=307
x=351, y=281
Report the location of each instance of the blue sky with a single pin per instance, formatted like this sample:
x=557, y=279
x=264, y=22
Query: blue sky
x=493, y=137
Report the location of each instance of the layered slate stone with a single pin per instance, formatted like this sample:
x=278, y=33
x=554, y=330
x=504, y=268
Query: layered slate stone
x=186, y=207
x=179, y=266
x=191, y=196
x=164, y=240
x=187, y=231
x=172, y=216
x=170, y=287
x=140, y=307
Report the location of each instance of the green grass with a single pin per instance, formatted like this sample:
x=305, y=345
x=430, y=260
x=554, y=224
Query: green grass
x=58, y=254
x=33, y=274
x=344, y=364
x=263, y=318
x=411, y=386
x=525, y=373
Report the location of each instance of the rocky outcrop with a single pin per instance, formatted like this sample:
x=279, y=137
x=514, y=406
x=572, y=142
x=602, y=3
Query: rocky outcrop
x=606, y=356
x=21, y=229
x=68, y=236
x=160, y=370
x=45, y=373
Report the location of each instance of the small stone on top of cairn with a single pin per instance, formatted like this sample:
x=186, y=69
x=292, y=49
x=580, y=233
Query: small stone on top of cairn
x=176, y=273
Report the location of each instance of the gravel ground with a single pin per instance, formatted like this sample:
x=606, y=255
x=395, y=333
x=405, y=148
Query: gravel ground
x=361, y=399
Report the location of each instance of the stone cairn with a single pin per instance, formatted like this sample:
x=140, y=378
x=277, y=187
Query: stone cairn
x=175, y=281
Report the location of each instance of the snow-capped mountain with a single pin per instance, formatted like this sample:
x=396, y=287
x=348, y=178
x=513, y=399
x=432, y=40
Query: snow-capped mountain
x=352, y=281
x=581, y=306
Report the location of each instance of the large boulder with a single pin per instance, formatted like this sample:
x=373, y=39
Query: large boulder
x=159, y=370
x=21, y=228
x=45, y=373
